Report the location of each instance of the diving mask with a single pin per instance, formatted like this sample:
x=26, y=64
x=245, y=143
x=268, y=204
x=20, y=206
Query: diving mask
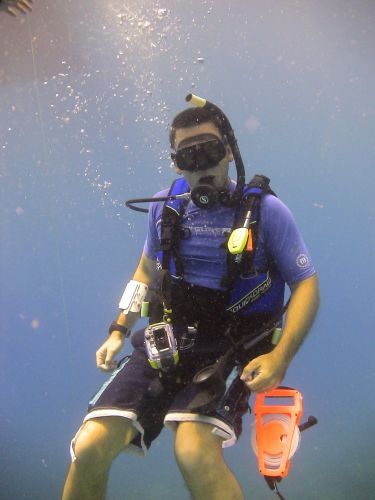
x=200, y=156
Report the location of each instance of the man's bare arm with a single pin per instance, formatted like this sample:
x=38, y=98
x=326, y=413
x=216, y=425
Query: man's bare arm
x=145, y=273
x=266, y=372
x=299, y=318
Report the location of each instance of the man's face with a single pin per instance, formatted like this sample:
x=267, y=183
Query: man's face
x=217, y=175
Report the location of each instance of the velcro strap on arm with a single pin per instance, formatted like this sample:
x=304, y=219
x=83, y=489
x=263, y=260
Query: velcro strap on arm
x=133, y=296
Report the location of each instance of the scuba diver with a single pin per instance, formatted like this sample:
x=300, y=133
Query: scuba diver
x=211, y=278
x=15, y=7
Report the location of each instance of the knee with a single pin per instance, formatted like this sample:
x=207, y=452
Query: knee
x=90, y=444
x=98, y=441
x=197, y=450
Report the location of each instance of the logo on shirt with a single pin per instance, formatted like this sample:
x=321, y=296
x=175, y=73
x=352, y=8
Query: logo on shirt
x=253, y=295
x=302, y=260
x=206, y=231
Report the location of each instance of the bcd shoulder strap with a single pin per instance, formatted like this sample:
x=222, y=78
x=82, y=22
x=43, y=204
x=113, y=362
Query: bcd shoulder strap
x=251, y=202
x=170, y=228
x=261, y=182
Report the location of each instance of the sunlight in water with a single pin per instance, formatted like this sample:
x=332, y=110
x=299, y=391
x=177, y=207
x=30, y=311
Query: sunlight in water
x=144, y=40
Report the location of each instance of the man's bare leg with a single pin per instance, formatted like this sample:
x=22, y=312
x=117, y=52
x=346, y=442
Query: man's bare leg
x=98, y=443
x=200, y=458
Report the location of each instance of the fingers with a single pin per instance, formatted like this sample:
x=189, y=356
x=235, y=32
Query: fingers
x=104, y=359
x=108, y=366
x=250, y=371
x=100, y=357
x=106, y=353
x=260, y=375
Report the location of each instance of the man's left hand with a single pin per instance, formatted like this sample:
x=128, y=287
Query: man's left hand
x=264, y=372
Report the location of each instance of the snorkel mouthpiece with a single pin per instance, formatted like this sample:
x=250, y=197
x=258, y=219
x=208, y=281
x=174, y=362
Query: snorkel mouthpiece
x=196, y=100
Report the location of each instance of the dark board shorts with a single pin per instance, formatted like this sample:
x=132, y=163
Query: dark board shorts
x=136, y=391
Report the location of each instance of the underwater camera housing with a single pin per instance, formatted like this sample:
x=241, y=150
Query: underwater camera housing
x=161, y=346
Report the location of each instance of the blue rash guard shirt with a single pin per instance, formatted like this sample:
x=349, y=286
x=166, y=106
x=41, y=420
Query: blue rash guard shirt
x=205, y=232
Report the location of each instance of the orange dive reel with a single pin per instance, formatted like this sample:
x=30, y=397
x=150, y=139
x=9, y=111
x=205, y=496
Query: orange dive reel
x=276, y=434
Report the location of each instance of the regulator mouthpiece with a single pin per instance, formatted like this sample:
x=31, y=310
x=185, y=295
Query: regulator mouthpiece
x=204, y=196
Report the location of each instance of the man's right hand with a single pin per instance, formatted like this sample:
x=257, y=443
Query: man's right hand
x=106, y=353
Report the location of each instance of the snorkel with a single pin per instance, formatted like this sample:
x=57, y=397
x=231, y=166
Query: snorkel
x=206, y=195
x=203, y=194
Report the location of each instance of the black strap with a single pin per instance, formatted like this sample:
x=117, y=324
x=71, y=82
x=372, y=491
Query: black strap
x=166, y=288
x=170, y=222
x=272, y=484
x=262, y=182
x=117, y=327
x=242, y=264
x=253, y=204
x=170, y=235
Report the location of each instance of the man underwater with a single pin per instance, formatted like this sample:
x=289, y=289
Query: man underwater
x=206, y=302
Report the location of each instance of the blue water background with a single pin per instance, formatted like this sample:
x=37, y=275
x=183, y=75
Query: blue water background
x=87, y=89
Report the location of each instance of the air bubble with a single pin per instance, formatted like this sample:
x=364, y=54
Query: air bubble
x=161, y=13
